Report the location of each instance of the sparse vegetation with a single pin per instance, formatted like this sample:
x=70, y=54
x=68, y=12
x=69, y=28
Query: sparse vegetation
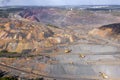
x=3, y=77
x=5, y=53
x=8, y=78
x=40, y=46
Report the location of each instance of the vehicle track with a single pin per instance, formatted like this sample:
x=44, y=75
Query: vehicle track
x=63, y=77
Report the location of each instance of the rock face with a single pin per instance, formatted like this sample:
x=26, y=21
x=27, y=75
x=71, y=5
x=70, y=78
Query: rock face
x=111, y=30
x=11, y=30
x=99, y=32
x=18, y=36
x=65, y=17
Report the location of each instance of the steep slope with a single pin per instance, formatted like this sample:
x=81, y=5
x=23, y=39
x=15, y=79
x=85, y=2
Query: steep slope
x=19, y=36
x=107, y=31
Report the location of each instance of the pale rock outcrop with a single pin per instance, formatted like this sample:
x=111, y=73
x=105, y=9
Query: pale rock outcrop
x=111, y=31
x=56, y=40
x=72, y=38
x=28, y=36
x=7, y=26
x=100, y=33
x=41, y=35
x=18, y=36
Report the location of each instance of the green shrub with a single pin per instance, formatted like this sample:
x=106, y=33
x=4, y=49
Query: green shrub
x=8, y=78
x=4, y=51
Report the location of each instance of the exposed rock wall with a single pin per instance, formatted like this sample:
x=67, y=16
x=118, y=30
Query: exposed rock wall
x=17, y=36
x=111, y=30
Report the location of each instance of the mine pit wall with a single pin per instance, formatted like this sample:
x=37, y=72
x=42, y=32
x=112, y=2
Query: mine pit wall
x=18, y=46
x=110, y=31
x=36, y=46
